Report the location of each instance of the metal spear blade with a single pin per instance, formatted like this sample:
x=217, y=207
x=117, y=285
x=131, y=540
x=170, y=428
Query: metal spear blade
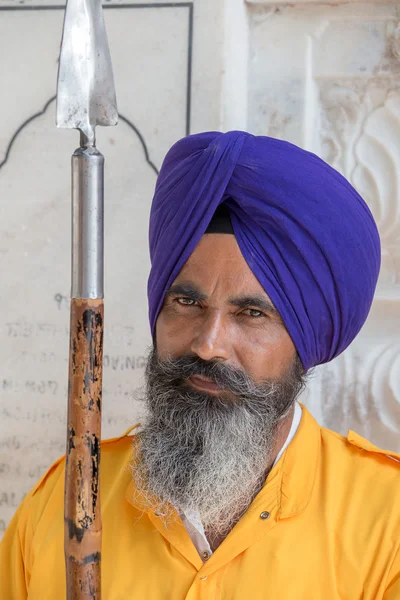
x=85, y=87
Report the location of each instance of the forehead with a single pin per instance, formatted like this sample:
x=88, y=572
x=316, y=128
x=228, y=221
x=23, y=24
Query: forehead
x=217, y=262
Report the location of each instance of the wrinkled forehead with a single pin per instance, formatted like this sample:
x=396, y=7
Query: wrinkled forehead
x=216, y=258
x=217, y=271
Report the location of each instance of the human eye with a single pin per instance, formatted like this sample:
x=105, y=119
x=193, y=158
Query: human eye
x=254, y=313
x=184, y=301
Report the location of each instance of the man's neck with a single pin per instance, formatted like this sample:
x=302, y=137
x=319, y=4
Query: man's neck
x=282, y=433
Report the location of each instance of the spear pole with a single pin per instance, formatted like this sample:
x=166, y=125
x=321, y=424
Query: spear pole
x=85, y=99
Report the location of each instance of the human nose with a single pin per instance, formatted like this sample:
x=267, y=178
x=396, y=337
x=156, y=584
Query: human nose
x=211, y=340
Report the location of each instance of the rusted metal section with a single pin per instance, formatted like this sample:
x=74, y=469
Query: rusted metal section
x=82, y=489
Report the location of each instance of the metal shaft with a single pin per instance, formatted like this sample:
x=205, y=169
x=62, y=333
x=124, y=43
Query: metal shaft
x=87, y=223
x=82, y=512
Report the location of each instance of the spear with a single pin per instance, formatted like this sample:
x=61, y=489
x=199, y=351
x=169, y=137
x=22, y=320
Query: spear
x=85, y=98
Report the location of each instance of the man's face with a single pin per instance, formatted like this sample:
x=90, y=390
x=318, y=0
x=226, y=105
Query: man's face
x=217, y=310
x=222, y=376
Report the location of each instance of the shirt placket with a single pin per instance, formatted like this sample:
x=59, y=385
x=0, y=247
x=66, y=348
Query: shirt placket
x=175, y=533
x=257, y=522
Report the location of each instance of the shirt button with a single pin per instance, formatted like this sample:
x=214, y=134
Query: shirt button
x=203, y=578
x=264, y=515
x=205, y=555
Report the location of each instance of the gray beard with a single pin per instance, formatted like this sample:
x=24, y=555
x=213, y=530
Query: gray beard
x=203, y=452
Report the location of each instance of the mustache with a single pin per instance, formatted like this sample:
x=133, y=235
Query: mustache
x=172, y=374
x=176, y=372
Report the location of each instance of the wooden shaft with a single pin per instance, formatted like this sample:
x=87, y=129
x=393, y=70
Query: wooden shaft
x=82, y=516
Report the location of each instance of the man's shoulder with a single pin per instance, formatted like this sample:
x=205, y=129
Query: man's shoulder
x=357, y=463
x=39, y=520
x=354, y=447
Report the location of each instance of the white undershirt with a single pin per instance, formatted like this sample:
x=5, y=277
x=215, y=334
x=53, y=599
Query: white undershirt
x=191, y=519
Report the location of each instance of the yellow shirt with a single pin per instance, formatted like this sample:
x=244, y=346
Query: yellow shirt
x=333, y=532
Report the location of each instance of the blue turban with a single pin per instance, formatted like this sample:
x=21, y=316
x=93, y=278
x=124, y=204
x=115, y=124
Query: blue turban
x=305, y=233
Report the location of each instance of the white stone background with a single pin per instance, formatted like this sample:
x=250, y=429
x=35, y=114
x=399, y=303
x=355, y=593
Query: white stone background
x=323, y=75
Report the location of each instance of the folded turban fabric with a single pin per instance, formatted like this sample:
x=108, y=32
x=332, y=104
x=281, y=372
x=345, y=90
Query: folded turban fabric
x=305, y=233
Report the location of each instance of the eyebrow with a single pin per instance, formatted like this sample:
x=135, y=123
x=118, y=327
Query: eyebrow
x=186, y=289
x=190, y=291
x=256, y=301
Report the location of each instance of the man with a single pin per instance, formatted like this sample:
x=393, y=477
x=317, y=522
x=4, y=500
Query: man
x=264, y=264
